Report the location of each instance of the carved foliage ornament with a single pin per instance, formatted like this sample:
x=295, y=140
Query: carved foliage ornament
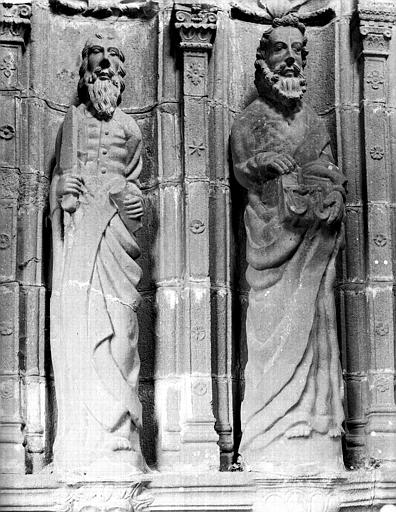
x=196, y=26
x=377, y=152
x=375, y=78
x=106, y=499
x=376, y=26
x=7, y=66
x=5, y=241
x=103, y=8
x=381, y=329
x=195, y=73
x=380, y=240
x=15, y=20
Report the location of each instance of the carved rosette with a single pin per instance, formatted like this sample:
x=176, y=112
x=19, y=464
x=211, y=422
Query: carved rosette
x=196, y=26
x=15, y=21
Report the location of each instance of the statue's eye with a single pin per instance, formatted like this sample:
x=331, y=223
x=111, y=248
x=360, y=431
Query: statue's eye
x=297, y=48
x=278, y=47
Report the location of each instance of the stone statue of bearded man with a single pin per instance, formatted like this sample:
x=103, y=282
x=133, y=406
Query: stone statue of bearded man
x=96, y=207
x=292, y=410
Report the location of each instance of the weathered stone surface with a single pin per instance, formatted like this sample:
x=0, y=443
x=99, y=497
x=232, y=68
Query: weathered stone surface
x=36, y=87
x=376, y=27
x=281, y=154
x=96, y=207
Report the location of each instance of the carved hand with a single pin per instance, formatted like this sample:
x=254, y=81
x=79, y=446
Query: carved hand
x=276, y=163
x=133, y=206
x=336, y=203
x=69, y=184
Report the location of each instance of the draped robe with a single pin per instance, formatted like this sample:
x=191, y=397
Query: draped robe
x=94, y=329
x=292, y=377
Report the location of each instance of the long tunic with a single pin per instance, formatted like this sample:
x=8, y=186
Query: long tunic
x=94, y=329
x=292, y=376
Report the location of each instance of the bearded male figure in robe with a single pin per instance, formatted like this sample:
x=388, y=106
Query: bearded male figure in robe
x=96, y=207
x=292, y=411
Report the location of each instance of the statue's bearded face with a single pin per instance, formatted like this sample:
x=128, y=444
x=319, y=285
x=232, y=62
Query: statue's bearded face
x=103, y=80
x=280, y=74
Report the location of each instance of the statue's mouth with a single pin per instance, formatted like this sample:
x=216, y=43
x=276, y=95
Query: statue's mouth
x=104, y=74
x=288, y=73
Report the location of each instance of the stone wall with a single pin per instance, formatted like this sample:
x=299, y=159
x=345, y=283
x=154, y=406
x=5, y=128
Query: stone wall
x=184, y=97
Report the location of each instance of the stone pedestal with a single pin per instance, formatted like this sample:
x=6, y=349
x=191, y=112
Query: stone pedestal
x=357, y=491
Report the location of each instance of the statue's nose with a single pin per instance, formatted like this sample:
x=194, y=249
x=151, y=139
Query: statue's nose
x=289, y=60
x=105, y=63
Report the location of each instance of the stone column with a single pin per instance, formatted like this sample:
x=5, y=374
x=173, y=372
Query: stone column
x=14, y=26
x=376, y=30
x=187, y=435
x=352, y=290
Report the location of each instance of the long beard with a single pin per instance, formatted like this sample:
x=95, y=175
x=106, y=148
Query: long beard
x=104, y=96
x=285, y=90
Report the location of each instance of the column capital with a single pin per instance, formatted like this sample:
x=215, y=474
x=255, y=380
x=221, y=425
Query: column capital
x=196, y=25
x=15, y=21
x=376, y=23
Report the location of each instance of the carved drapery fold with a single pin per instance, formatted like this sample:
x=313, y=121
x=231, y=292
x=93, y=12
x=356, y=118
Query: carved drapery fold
x=376, y=23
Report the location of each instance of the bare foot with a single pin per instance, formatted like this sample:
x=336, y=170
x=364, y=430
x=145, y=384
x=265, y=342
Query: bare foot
x=335, y=431
x=117, y=443
x=299, y=430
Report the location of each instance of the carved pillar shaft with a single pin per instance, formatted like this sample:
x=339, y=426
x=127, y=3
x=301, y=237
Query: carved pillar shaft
x=353, y=289
x=376, y=30
x=14, y=26
x=197, y=439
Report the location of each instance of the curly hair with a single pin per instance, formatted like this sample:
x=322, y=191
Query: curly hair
x=288, y=20
x=82, y=86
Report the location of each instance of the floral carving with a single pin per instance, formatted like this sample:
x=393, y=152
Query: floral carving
x=102, y=499
x=6, y=390
x=197, y=226
x=198, y=333
x=5, y=241
x=7, y=132
x=375, y=78
x=105, y=8
x=200, y=388
x=382, y=384
x=195, y=73
x=380, y=240
x=197, y=148
x=7, y=65
x=382, y=329
x=6, y=329
x=377, y=152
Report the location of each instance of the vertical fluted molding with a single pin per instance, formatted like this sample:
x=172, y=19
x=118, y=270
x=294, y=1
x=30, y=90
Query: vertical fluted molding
x=14, y=33
x=376, y=23
x=187, y=437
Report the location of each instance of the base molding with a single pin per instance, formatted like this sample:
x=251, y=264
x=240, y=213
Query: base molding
x=348, y=491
